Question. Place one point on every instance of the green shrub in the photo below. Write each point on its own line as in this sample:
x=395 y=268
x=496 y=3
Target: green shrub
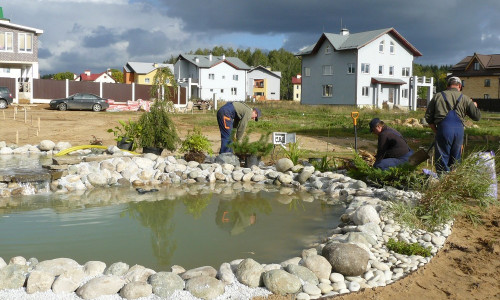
x=261 y=147
x=293 y=152
x=196 y=142
x=157 y=128
x=407 y=248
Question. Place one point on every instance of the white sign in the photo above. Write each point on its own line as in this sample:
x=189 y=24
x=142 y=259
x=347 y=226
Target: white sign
x=282 y=138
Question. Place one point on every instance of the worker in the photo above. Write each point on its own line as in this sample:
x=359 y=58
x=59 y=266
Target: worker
x=234 y=115
x=392 y=149
x=445 y=115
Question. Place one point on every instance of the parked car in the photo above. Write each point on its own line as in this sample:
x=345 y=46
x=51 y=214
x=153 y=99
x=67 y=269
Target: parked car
x=80 y=101
x=5 y=97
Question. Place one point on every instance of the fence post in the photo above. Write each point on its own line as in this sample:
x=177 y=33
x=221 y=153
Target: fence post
x=133 y=91
x=67 y=88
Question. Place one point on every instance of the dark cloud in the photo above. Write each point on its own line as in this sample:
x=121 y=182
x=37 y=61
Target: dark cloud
x=100 y=37
x=44 y=53
x=144 y=43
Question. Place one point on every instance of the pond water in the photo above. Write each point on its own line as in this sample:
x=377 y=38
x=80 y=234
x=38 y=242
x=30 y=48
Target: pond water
x=191 y=226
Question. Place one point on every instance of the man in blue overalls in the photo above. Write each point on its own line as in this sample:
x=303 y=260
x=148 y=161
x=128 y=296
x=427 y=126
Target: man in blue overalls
x=234 y=115
x=445 y=114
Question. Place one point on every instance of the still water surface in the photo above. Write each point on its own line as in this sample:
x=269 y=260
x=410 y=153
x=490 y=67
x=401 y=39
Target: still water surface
x=157 y=230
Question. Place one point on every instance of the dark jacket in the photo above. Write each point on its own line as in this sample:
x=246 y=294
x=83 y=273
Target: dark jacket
x=438 y=109
x=391 y=144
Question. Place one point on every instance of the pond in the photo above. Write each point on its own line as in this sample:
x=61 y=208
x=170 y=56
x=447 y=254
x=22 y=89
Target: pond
x=191 y=226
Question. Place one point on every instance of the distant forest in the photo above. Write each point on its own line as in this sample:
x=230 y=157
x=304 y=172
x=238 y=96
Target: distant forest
x=289 y=65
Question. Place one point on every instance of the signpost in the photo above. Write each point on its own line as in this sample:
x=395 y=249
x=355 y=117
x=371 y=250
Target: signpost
x=283 y=138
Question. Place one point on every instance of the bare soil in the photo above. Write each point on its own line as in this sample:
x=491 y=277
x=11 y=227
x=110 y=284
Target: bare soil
x=468 y=267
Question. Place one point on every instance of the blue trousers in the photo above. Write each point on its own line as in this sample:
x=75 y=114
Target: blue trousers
x=449 y=140
x=387 y=163
x=225 y=119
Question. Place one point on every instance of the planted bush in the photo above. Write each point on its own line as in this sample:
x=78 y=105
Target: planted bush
x=244 y=147
x=407 y=248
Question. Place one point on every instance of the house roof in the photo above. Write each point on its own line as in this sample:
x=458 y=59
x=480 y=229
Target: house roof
x=264 y=69
x=488 y=61
x=144 y=67
x=7 y=23
x=296 y=80
x=203 y=61
x=92 y=77
x=394 y=81
x=357 y=41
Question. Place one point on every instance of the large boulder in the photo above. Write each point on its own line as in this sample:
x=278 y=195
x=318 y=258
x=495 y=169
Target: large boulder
x=166 y=283
x=303 y=273
x=249 y=272
x=228 y=158
x=201 y=271
x=284 y=164
x=57 y=266
x=68 y=281
x=136 y=289
x=13 y=277
x=318 y=265
x=39 y=281
x=347 y=259
x=365 y=214
x=205 y=287
x=100 y=286
x=281 y=282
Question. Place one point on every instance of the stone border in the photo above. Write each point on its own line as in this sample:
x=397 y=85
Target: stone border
x=352 y=257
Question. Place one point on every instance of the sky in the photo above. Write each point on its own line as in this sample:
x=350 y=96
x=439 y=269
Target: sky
x=94 y=35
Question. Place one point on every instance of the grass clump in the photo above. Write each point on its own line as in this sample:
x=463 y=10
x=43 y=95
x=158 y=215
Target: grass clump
x=407 y=248
x=457 y=193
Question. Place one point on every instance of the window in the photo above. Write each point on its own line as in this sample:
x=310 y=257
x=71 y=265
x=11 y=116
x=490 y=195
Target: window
x=391 y=47
x=211 y=90
x=234 y=91
x=328 y=49
x=351 y=69
x=307 y=71
x=486 y=96
x=381 y=46
x=223 y=76
x=297 y=87
x=486 y=82
x=405 y=93
x=222 y=91
x=380 y=70
x=476 y=66
x=365 y=68
x=235 y=77
x=25 y=42
x=327 y=90
x=405 y=71
x=327 y=70
x=6 y=41
x=146 y=80
x=365 y=90
x=391 y=70
x=211 y=76
x=463 y=83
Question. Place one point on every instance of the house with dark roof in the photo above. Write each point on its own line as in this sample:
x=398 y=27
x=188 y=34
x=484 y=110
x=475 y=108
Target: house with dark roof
x=480 y=75
x=99 y=77
x=209 y=76
x=142 y=72
x=19 y=56
x=263 y=84
x=297 y=86
x=362 y=69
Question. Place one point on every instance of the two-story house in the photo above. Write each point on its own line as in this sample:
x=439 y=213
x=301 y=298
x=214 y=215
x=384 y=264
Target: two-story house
x=19 y=56
x=99 y=77
x=142 y=72
x=362 y=69
x=480 y=75
x=263 y=84
x=208 y=76
x=297 y=87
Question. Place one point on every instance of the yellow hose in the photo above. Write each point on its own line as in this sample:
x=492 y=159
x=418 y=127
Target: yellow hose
x=81 y=147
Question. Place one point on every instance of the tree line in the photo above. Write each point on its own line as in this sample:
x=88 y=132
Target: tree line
x=278 y=60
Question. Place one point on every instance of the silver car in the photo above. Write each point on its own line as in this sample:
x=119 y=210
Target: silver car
x=80 y=101
x=5 y=97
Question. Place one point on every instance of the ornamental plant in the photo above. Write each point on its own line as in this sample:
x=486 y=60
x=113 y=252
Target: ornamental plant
x=127 y=132
x=196 y=142
x=157 y=128
x=244 y=147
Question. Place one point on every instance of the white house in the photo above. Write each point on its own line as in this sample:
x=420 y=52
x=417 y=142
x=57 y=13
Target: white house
x=362 y=69
x=263 y=84
x=208 y=76
x=19 y=55
x=99 y=77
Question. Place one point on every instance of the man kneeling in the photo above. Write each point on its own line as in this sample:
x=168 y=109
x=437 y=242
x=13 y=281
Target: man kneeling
x=392 y=149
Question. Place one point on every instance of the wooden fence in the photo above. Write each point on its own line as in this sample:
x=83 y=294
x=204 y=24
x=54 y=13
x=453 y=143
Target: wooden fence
x=491 y=105
x=45 y=90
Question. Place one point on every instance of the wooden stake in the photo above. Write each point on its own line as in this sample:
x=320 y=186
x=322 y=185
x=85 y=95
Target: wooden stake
x=37 y=132
x=39 y=124
x=3 y=112
x=25 y=115
x=15 y=112
x=17 y=137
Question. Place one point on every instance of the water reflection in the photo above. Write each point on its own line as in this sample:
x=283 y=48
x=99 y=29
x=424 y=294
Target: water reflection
x=191 y=225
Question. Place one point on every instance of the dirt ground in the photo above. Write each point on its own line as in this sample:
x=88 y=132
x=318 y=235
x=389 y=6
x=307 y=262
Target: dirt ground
x=468 y=267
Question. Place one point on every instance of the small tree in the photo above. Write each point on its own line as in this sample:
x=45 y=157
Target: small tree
x=163 y=84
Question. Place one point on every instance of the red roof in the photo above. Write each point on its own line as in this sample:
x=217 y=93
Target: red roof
x=91 y=77
x=296 y=80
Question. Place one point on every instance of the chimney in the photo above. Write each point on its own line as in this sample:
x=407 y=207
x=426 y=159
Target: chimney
x=210 y=57
x=344 y=31
x=196 y=60
x=108 y=71
x=87 y=72
x=223 y=56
